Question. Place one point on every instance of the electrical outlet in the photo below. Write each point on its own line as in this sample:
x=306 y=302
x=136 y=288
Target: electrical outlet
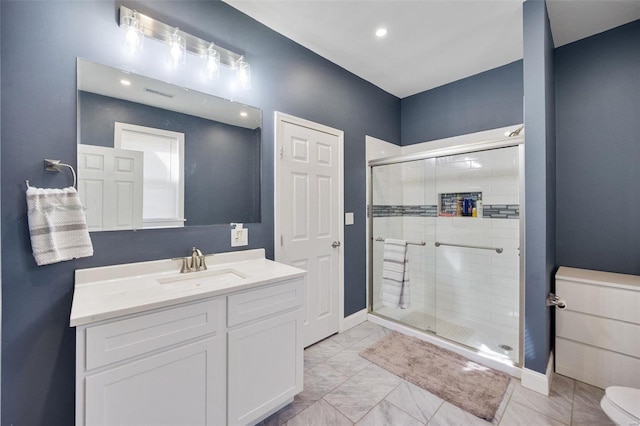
x=239 y=237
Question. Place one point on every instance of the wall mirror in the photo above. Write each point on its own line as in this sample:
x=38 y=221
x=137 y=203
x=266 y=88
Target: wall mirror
x=153 y=155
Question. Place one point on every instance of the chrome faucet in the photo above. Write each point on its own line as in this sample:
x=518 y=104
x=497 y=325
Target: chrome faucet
x=197 y=260
x=193 y=263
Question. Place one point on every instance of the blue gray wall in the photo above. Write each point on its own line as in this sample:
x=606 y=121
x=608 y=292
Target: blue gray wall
x=39 y=121
x=539 y=119
x=220 y=159
x=0 y=216
x=598 y=151
x=485 y=101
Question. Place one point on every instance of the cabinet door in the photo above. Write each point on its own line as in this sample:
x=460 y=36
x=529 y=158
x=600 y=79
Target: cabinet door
x=182 y=386
x=265 y=366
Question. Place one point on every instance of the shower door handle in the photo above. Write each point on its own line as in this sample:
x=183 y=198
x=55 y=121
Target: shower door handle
x=497 y=249
x=335 y=244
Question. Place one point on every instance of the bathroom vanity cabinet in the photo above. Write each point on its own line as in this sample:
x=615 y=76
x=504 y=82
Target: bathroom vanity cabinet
x=232 y=356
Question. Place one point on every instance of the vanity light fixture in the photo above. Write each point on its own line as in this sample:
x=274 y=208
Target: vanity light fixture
x=243 y=114
x=202 y=48
x=125 y=82
x=133 y=34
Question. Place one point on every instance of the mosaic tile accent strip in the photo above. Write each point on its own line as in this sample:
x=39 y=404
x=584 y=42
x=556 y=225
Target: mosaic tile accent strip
x=501 y=211
x=449 y=201
x=395 y=210
x=491 y=211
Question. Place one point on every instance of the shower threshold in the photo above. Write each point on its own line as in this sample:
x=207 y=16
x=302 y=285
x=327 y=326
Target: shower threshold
x=489 y=358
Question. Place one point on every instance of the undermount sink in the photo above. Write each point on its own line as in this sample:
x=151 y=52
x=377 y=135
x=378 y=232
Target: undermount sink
x=205 y=277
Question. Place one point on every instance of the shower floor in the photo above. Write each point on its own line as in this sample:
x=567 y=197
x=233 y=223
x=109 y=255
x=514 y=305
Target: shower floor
x=485 y=338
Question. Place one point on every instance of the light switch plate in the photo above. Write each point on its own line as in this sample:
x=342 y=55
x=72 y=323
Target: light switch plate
x=348 y=218
x=239 y=237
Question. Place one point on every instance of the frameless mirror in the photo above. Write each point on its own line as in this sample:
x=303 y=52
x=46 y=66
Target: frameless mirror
x=155 y=155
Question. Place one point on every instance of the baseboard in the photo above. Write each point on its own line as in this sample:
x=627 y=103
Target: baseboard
x=538 y=382
x=353 y=320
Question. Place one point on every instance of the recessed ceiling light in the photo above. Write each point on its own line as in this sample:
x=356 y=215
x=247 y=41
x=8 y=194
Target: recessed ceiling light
x=381 y=32
x=243 y=114
x=125 y=82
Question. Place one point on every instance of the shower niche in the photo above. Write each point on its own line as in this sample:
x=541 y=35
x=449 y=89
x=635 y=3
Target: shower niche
x=466 y=204
x=465 y=278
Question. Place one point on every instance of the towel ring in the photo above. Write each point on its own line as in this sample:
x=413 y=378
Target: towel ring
x=54 y=166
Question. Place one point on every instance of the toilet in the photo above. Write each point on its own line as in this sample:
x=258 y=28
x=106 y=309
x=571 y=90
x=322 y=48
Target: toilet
x=622 y=405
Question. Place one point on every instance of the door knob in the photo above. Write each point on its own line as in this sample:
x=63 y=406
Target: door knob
x=335 y=244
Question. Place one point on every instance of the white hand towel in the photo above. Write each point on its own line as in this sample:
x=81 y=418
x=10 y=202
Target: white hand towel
x=57 y=225
x=395 y=291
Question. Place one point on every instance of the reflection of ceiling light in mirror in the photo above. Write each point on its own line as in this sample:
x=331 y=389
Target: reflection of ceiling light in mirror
x=133 y=34
x=243 y=74
x=177 y=49
x=125 y=82
x=381 y=32
x=243 y=114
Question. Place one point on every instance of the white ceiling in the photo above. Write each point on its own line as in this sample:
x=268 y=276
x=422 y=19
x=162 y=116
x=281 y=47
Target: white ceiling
x=430 y=42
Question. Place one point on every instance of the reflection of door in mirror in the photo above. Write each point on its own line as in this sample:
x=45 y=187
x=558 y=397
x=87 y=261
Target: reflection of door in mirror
x=110 y=187
x=163 y=172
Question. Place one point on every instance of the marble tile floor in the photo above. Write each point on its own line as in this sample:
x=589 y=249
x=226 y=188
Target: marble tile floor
x=342 y=388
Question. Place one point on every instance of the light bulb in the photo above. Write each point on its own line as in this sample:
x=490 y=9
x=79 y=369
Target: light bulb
x=133 y=34
x=177 y=49
x=243 y=74
x=213 y=62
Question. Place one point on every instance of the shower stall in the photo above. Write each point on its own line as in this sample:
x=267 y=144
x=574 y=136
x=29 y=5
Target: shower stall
x=459 y=211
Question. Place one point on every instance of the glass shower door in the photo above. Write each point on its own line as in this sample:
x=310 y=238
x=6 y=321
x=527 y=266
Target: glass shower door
x=404 y=208
x=477 y=264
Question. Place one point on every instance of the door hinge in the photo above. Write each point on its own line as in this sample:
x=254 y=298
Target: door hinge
x=281 y=153
x=368 y=211
x=281 y=240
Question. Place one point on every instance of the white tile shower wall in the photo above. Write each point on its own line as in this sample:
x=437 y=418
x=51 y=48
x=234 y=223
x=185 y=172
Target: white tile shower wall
x=413 y=183
x=478 y=286
x=494 y=173
x=418 y=182
x=387 y=184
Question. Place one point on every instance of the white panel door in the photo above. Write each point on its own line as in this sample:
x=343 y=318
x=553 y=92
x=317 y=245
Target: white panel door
x=309 y=215
x=110 y=187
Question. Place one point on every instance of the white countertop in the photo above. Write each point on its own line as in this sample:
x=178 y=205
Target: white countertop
x=112 y=291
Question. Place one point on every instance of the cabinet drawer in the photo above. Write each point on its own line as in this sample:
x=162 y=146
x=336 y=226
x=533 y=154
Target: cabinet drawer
x=119 y=340
x=601 y=300
x=605 y=333
x=596 y=366
x=264 y=301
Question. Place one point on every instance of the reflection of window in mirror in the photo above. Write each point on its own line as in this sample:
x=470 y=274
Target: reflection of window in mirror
x=163 y=172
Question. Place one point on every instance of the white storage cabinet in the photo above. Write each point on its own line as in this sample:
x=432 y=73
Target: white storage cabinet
x=232 y=359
